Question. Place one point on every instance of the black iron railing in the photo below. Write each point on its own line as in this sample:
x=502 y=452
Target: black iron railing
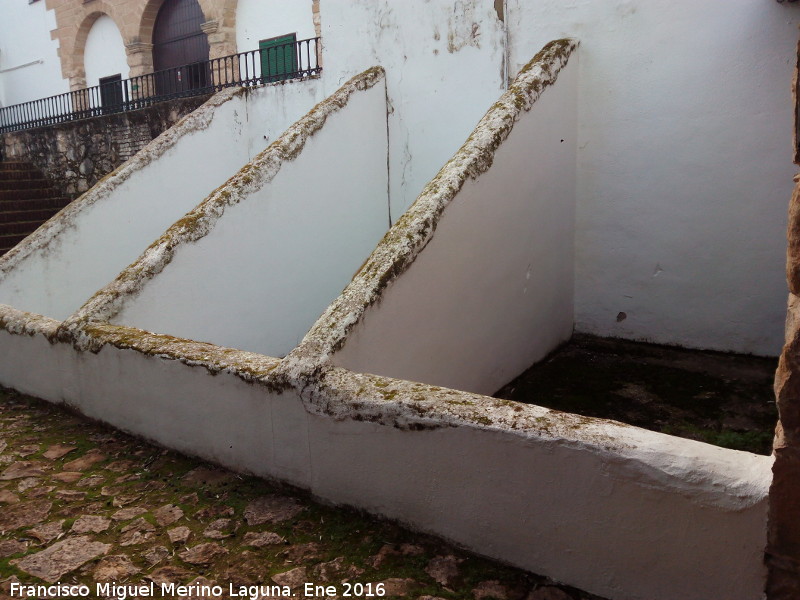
x=280 y=62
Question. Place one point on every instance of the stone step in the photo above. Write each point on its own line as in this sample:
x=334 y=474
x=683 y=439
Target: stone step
x=25 y=184
x=33 y=204
x=15 y=166
x=27 y=199
x=40 y=215
x=23 y=227
x=20 y=174
x=9 y=241
x=47 y=192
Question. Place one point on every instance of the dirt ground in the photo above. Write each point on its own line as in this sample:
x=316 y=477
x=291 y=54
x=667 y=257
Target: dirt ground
x=81 y=503
x=718 y=398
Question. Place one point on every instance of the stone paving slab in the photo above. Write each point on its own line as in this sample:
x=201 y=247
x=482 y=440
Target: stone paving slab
x=81 y=503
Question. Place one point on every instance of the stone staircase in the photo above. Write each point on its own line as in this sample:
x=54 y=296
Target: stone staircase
x=27 y=200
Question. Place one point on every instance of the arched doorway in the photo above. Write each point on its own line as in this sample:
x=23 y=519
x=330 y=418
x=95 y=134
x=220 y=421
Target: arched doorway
x=179 y=44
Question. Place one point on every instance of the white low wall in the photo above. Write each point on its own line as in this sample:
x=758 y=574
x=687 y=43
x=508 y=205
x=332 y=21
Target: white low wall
x=56 y=269
x=287 y=243
x=490 y=290
x=618 y=511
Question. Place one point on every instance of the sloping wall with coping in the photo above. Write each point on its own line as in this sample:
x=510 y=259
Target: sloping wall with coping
x=54 y=271
x=668 y=192
x=491 y=287
x=298 y=221
x=619 y=511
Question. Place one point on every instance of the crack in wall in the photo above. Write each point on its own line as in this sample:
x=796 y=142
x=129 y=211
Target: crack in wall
x=414 y=229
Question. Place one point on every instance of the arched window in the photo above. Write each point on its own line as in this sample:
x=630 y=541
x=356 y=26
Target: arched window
x=178 y=46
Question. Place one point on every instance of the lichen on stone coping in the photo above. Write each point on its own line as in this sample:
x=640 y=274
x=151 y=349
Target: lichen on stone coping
x=196 y=224
x=248 y=366
x=197 y=120
x=411 y=233
x=343 y=394
x=20 y=322
x=702 y=473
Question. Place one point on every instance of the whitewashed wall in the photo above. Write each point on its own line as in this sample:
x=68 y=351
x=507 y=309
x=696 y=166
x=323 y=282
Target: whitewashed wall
x=443 y=64
x=263 y=19
x=58 y=268
x=636 y=508
x=29 y=65
x=104 y=53
x=684 y=164
x=278 y=257
x=684 y=159
x=493 y=290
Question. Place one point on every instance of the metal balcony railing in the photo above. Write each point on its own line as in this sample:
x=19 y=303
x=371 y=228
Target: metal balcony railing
x=293 y=60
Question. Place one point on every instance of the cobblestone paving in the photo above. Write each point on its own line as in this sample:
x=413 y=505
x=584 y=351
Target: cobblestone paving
x=81 y=503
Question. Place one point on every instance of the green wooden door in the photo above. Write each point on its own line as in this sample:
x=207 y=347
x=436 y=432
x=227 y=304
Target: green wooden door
x=278 y=57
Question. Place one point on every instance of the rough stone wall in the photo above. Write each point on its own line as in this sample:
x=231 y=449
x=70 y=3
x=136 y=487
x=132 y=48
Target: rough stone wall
x=77 y=155
x=783 y=551
x=783 y=546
